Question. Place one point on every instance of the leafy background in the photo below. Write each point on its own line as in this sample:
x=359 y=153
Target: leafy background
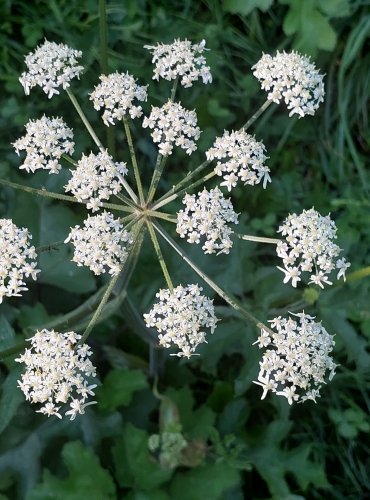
x=191 y=430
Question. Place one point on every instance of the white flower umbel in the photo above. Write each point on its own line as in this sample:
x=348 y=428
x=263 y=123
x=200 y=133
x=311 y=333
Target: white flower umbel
x=180 y=59
x=100 y=244
x=181 y=318
x=297 y=358
x=57 y=373
x=50 y=66
x=46 y=140
x=95 y=179
x=172 y=124
x=293 y=78
x=243 y=157
x=116 y=95
x=17 y=261
x=308 y=246
x=207 y=214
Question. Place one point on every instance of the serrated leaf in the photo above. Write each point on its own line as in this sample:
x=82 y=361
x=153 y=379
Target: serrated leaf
x=118 y=388
x=134 y=465
x=244 y=7
x=86 y=478
x=11 y=397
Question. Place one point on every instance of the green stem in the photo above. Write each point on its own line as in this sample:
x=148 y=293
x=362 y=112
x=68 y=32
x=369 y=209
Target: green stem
x=98 y=143
x=63 y=197
x=227 y=298
x=173 y=90
x=48 y=248
x=258 y=239
x=158 y=169
x=69 y=159
x=256 y=115
x=13 y=350
x=165 y=201
x=359 y=274
x=159 y=254
x=133 y=160
x=162 y=215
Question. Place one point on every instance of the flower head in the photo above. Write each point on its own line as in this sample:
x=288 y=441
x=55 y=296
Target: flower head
x=308 y=246
x=180 y=59
x=100 y=244
x=243 y=157
x=173 y=124
x=56 y=372
x=18 y=259
x=181 y=318
x=44 y=143
x=95 y=179
x=292 y=77
x=116 y=95
x=207 y=214
x=298 y=358
x=50 y=66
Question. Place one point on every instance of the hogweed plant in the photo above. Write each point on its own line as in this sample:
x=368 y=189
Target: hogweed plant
x=297 y=350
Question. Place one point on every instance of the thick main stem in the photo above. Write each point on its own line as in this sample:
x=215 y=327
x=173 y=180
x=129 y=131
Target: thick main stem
x=227 y=298
x=133 y=160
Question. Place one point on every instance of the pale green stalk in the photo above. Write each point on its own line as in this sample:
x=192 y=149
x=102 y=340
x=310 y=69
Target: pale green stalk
x=256 y=115
x=69 y=159
x=162 y=215
x=98 y=143
x=258 y=239
x=133 y=160
x=158 y=169
x=159 y=254
x=227 y=297
x=63 y=197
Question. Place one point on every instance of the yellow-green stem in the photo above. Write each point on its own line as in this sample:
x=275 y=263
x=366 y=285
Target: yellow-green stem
x=133 y=160
x=159 y=254
x=256 y=115
x=258 y=239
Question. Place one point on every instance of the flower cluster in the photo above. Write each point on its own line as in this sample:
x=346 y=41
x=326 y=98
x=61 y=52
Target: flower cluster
x=50 y=66
x=46 y=140
x=18 y=259
x=173 y=124
x=244 y=157
x=180 y=59
x=297 y=360
x=308 y=246
x=95 y=179
x=292 y=77
x=56 y=373
x=115 y=95
x=102 y=243
x=207 y=214
x=182 y=315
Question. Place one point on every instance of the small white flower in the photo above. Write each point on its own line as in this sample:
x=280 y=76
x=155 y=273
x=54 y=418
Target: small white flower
x=18 y=259
x=50 y=66
x=180 y=59
x=101 y=244
x=95 y=179
x=116 y=95
x=173 y=125
x=181 y=318
x=45 y=142
x=243 y=157
x=293 y=78
x=207 y=214
x=298 y=357
x=308 y=246
x=56 y=372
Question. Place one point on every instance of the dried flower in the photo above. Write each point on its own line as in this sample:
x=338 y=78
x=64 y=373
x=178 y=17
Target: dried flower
x=207 y=214
x=50 y=66
x=244 y=157
x=180 y=59
x=45 y=142
x=182 y=316
x=308 y=246
x=95 y=179
x=18 y=259
x=292 y=77
x=115 y=95
x=296 y=363
x=102 y=243
x=56 y=373
x=173 y=124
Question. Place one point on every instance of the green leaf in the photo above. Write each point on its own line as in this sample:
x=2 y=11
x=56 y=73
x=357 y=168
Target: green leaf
x=11 y=398
x=207 y=481
x=86 y=478
x=244 y=7
x=33 y=316
x=118 y=388
x=7 y=335
x=134 y=465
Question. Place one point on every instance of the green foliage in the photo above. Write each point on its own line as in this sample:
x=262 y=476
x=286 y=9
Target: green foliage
x=119 y=387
